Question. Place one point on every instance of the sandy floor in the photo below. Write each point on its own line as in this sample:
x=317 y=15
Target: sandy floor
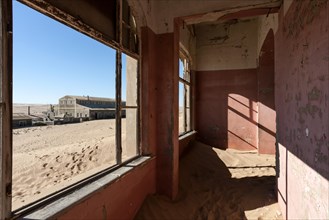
x=48 y=158
x=217 y=184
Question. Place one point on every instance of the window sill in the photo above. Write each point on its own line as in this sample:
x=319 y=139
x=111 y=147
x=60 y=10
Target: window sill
x=187 y=134
x=66 y=201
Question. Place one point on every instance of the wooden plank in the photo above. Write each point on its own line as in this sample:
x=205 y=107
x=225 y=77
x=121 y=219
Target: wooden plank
x=6 y=108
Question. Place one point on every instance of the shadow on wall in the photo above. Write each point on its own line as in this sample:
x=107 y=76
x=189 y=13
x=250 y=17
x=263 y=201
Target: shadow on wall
x=301 y=97
x=235 y=108
x=227 y=110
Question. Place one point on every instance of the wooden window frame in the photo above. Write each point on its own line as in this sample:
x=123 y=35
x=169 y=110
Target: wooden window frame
x=6 y=101
x=186 y=68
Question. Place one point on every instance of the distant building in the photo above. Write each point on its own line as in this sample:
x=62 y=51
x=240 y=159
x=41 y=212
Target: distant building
x=86 y=107
x=21 y=120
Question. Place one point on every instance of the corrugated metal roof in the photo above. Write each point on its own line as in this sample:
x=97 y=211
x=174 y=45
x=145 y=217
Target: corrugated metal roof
x=91 y=98
x=21 y=116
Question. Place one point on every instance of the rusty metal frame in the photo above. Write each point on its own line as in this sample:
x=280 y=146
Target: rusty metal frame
x=5 y=108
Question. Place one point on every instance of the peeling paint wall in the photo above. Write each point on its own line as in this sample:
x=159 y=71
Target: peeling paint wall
x=302 y=101
x=167 y=10
x=227 y=46
x=187 y=40
x=226 y=84
x=265 y=24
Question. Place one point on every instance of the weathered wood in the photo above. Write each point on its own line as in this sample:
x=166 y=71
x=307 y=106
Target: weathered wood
x=118 y=129
x=6 y=108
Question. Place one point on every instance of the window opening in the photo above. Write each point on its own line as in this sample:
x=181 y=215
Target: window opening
x=184 y=92
x=63 y=148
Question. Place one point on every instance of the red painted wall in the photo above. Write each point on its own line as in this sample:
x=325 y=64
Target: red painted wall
x=226 y=108
x=185 y=142
x=148 y=92
x=302 y=103
x=160 y=106
x=119 y=200
x=266 y=108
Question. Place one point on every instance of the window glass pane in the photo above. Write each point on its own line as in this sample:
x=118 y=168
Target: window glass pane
x=188 y=119
x=181 y=109
x=53 y=67
x=187 y=76
x=129 y=80
x=181 y=69
x=188 y=110
x=188 y=93
x=129 y=134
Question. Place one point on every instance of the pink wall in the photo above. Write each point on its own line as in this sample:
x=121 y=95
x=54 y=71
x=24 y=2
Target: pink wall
x=226 y=108
x=160 y=106
x=121 y=199
x=185 y=142
x=266 y=108
x=302 y=103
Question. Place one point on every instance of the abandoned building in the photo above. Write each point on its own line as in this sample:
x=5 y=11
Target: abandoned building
x=21 y=120
x=86 y=107
x=259 y=82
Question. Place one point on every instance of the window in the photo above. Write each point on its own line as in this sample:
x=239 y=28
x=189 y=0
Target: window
x=184 y=92
x=51 y=164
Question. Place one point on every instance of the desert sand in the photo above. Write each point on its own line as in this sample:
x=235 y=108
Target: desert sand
x=48 y=158
x=219 y=184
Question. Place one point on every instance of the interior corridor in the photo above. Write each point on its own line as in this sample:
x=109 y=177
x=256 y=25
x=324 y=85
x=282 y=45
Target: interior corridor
x=219 y=184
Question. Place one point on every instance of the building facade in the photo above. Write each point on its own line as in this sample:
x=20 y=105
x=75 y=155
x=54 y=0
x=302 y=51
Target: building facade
x=21 y=120
x=86 y=107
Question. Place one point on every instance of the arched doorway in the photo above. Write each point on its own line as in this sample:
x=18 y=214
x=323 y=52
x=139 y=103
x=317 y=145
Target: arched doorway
x=266 y=105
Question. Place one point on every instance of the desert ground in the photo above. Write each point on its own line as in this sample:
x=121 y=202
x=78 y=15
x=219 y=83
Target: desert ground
x=48 y=158
x=219 y=184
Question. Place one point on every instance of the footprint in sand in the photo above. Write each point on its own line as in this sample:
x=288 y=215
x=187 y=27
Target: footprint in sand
x=79 y=166
x=44 y=165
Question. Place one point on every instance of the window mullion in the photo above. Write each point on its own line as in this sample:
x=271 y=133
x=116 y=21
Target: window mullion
x=118 y=108
x=6 y=109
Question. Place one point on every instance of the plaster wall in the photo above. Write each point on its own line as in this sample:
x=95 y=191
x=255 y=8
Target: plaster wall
x=121 y=199
x=160 y=106
x=227 y=46
x=226 y=84
x=187 y=41
x=266 y=106
x=301 y=97
x=265 y=24
x=226 y=110
x=200 y=11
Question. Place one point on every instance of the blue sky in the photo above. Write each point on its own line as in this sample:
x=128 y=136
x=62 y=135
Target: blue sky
x=51 y=60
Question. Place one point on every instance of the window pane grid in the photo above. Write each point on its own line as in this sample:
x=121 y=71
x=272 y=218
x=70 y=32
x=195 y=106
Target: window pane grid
x=184 y=97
